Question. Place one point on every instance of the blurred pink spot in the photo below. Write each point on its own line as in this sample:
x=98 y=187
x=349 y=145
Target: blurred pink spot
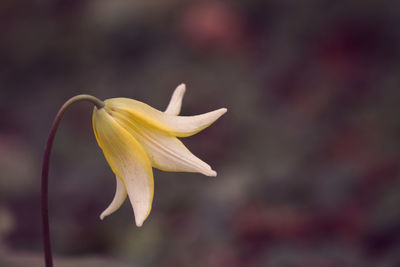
x=210 y=25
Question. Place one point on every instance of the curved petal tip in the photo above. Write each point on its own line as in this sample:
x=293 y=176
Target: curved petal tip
x=119 y=198
x=141 y=211
x=181 y=87
x=102 y=215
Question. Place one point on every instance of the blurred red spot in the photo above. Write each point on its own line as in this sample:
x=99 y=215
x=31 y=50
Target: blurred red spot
x=210 y=25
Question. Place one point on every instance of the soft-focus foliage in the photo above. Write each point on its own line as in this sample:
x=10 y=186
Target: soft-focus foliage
x=307 y=160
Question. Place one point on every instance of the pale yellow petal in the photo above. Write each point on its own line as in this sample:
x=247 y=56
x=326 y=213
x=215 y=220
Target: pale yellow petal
x=128 y=161
x=175 y=104
x=119 y=198
x=165 y=152
x=180 y=126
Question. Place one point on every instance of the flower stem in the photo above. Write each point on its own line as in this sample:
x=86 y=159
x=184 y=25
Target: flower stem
x=45 y=171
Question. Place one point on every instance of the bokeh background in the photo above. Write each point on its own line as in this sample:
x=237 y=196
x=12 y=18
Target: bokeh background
x=307 y=155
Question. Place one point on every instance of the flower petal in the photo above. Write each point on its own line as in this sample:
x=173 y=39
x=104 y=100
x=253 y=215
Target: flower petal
x=165 y=152
x=175 y=104
x=180 y=126
x=119 y=198
x=128 y=161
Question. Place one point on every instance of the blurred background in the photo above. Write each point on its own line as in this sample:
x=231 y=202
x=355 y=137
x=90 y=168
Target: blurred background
x=307 y=155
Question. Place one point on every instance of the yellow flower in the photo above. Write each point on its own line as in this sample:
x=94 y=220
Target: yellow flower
x=135 y=137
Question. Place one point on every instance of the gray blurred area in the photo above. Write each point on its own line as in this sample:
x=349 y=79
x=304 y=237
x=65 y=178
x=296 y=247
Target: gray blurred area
x=307 y=155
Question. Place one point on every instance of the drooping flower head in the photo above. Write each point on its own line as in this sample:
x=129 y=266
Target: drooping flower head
x=135 y=137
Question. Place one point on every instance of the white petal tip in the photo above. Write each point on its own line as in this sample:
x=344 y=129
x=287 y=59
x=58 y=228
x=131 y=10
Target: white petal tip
x=104 y=214
x=210 y=173
x=141 y=211
x=175 y=104
x=180 y=91
x=181 y=87
x=223 y=110
x=139 y=223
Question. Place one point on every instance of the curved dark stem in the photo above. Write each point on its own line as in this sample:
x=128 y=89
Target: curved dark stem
x=45 y=171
